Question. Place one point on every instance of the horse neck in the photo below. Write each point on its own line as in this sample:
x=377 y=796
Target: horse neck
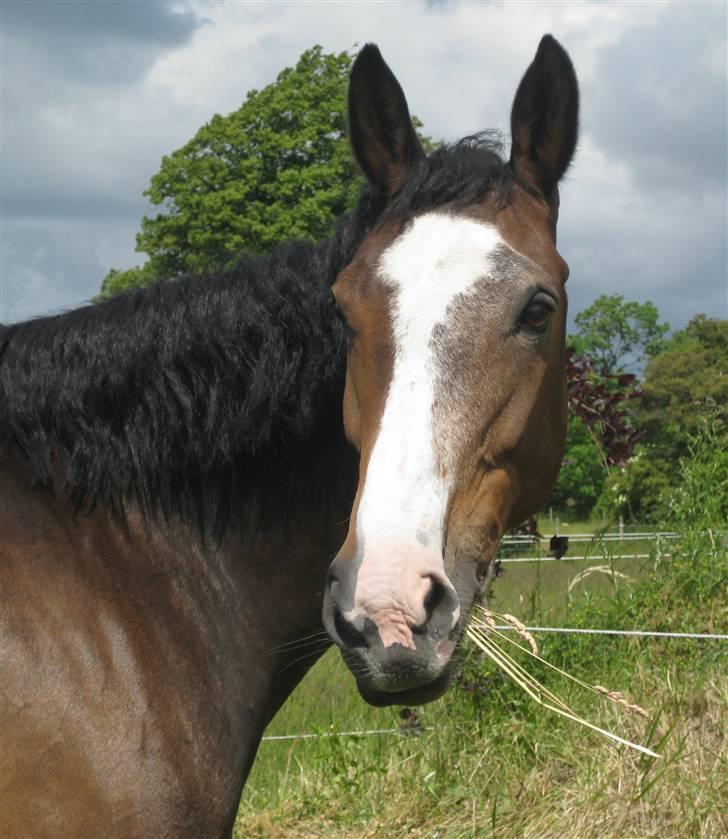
x=267 y=628
x=290 y=530
x=195 y=638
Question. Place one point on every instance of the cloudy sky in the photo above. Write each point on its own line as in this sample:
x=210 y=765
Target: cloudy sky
x=95 y=93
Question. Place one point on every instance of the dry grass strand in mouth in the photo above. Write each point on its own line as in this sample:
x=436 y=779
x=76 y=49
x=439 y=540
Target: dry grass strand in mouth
x=482 y=630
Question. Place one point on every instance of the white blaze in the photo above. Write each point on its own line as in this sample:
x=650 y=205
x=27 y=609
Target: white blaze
x=405 y=497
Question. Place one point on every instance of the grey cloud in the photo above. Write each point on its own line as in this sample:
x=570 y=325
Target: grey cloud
x=679 y=289
x=94 y=42
x=659 y=98
x=653 y=225
x=46 y=203
x=62 y=164
x=153 y=21
x=50 y=267
x=671 y=253
x=63 y=65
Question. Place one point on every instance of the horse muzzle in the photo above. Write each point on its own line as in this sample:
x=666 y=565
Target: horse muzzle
x=396 y=630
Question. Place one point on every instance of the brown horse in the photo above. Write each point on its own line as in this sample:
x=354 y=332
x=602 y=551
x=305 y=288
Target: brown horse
x=176 y=473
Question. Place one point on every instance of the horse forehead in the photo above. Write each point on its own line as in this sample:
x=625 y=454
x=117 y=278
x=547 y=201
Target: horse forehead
x=439 y=257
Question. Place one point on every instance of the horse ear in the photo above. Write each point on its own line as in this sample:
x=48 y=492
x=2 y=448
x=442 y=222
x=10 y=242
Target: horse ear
x=382 y=136
x=545 y=118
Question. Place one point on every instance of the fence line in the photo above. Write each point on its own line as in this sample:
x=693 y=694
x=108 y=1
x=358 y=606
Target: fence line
x=594 y=557
x=590 y=537
x=644 y=534
x=636 y=633
x=401 y=731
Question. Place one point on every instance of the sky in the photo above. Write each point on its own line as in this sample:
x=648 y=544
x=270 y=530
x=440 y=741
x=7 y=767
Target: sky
x=94 y=94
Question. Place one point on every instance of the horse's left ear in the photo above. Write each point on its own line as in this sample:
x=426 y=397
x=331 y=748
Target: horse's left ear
x=382 y=136
x=545 y=118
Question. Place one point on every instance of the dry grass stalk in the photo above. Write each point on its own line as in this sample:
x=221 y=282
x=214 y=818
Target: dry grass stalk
x=521 y=630
x=620 y=699
x=481 y=632
x=596 y=569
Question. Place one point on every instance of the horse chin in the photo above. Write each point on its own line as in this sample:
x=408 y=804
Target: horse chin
x=418 y=695
x=396 y=676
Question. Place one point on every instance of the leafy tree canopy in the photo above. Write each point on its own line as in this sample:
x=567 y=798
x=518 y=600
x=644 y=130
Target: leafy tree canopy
x=691 y=372
x=582 y=473
x=616 y=334
x=601 y=433
x=601 y=400
x=638 y=490
x=683 y=384
x=705 y=335
x=278 y=168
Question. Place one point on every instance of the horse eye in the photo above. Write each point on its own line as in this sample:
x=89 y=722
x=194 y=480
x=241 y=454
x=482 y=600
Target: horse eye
x=537 y=314
x=348 y=331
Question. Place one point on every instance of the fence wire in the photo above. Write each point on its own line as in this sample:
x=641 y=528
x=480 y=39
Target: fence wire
x=404 y=732
x=636 y=633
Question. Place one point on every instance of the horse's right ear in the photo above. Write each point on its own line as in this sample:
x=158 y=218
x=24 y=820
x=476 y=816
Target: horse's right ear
x=382 y=136
x=545 y=118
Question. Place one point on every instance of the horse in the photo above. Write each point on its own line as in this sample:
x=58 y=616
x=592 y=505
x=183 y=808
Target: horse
x=197 y=476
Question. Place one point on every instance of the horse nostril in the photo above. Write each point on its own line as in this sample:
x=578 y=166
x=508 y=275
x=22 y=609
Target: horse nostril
x=440 y=606
x=347 y=632
x=435 y=597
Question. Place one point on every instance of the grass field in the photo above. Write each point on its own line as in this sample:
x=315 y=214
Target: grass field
x=491 y=763
x=542 y=592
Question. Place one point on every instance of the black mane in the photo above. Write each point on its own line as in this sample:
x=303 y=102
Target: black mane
x=166 y=396
x=455 y=176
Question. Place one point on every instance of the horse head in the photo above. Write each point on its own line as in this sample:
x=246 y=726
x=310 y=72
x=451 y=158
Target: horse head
x=455 y=396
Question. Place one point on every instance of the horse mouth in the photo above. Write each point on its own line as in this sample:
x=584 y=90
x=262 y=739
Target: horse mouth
x=419 y=695
x=404 y=677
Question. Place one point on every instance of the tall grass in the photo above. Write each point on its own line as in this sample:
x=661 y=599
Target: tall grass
x=494 y=763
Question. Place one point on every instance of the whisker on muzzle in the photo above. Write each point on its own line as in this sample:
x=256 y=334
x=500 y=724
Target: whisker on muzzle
x=315 y=637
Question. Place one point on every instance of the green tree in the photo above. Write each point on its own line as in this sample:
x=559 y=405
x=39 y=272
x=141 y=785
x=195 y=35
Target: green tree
x=601 y=434
x=690 y=373
x=583 y=472
x=116 y=280
x=616 y=334
x=280 y=167
x=701 y=497
x=638 y=489
x=681 y=384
